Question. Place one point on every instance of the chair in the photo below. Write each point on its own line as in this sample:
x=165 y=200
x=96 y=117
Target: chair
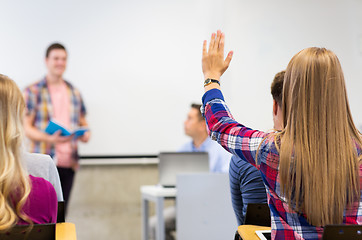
x=258 y=214
x=38 y=232
x=337 y=232
x=237 y=236
x=203 y=206
x=66 y=231
x=248 y=232
x=61 y=214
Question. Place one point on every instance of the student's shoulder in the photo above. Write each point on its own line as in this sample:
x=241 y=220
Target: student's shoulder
x=271 y=140
x=38 y=181
x=41 y=186
x=45 y=194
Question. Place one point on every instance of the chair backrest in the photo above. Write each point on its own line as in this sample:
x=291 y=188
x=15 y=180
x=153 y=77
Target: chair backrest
x=258 y=214
x=337 y=232
x=203 y=205
x=237 y=236
x=38 y=232
x=61 y=214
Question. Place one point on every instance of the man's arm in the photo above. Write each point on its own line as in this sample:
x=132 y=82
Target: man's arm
x=36 y=135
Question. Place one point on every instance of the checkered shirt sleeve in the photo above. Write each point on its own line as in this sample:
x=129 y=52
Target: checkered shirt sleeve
x=233 y=136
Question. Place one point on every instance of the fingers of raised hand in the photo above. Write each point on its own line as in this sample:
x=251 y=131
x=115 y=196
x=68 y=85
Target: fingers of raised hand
x=204 y=46
x=218 y=38
x=216 y=42
x=228 y=59
x=222 y=42
x=213 y=57
x=212 y=42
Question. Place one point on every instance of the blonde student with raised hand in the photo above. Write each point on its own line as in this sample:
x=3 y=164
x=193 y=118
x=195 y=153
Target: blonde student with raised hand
x=311 y=168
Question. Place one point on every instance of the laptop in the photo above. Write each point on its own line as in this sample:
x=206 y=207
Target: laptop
x=340 y=232
x=173 y=163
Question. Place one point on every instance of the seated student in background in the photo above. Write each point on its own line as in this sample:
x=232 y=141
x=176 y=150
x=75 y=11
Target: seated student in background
x=24 y=199
x=195 y=127
x=246 y=184
x=219 y=160
x=311 y=169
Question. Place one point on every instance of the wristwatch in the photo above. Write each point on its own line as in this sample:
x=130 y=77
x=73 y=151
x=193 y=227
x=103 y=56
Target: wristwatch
x=209 y=81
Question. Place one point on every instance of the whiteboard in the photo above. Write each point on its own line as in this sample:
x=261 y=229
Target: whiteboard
x=138 y=63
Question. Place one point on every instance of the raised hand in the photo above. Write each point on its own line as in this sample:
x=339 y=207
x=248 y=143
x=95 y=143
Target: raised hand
x=213 y=62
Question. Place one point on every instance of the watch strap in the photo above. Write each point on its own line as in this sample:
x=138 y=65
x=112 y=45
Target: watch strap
x=209 y=81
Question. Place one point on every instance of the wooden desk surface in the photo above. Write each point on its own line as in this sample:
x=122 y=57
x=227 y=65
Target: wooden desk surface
x=65 y=231
x=247 y=232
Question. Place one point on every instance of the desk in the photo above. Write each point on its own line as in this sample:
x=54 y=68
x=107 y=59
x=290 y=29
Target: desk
x=247 y=232
x=156 y=194
x=65 y=231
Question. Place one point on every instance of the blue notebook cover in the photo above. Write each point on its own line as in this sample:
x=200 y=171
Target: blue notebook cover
x=53 y=127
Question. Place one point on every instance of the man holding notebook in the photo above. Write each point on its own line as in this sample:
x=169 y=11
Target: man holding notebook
x=53 y=98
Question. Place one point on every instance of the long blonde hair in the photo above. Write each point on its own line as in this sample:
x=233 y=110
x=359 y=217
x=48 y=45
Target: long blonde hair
x=14 y=181
x=319 y=165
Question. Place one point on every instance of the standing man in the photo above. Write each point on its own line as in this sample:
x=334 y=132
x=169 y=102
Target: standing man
x=53 y=98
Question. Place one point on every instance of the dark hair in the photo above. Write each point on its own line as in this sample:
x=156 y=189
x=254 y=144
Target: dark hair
x=277 y=87
x=198 y=106
x=54 y=46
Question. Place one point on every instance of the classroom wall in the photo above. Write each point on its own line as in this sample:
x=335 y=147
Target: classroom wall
x=266 y=34
x=138 y=63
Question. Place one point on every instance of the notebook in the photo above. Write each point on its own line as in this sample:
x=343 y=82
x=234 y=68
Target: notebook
x=54 y=127
x=173 y=163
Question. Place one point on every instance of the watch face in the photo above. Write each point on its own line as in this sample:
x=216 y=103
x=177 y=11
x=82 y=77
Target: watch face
x=207 y=82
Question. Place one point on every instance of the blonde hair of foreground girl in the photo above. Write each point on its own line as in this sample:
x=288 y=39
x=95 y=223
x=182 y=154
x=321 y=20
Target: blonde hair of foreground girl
x=14 y=181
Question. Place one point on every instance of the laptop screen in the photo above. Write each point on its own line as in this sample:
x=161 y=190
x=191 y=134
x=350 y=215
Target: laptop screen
x=173 y=163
